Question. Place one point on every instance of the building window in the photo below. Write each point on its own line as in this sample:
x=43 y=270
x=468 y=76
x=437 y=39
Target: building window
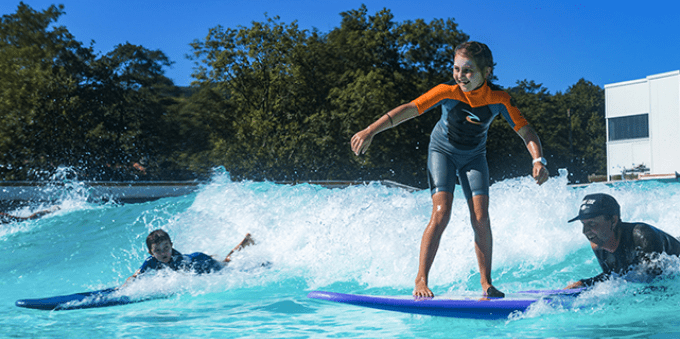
x=630 y=127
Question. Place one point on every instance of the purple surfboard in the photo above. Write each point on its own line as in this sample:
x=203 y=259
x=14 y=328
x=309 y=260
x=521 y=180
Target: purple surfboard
x=476 y=307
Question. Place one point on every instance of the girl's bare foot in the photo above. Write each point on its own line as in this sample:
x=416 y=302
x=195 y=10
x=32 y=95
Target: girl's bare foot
x=422 y=291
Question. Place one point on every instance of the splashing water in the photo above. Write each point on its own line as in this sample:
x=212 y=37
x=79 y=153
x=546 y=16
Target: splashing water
x=361 y=239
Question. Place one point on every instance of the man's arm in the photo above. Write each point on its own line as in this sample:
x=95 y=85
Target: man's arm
x=606 y=271
x=590 y=281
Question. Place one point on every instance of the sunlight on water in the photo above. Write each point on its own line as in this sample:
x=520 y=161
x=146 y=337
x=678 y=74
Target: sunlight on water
x=361 y=239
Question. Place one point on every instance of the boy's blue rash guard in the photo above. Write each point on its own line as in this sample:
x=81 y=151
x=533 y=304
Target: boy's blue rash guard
x=197 y=262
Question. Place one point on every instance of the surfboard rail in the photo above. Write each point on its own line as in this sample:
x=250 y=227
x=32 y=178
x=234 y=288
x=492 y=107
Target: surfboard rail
x=476 y=307
x=100 y=298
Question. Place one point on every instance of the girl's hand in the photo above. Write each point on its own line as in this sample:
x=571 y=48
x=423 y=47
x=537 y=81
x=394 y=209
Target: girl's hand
x=540 y=173
x=361 y=141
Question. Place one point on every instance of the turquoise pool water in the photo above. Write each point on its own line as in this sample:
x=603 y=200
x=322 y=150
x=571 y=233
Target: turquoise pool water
x=362 y=239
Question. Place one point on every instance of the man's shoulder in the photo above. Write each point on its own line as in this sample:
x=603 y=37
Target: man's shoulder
x=651 y=239
x=640 y=229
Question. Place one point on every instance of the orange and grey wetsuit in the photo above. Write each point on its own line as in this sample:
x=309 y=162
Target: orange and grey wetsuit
x=458 y=141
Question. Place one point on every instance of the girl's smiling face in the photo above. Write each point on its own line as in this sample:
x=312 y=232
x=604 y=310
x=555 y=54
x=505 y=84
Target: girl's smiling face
x=466 y=73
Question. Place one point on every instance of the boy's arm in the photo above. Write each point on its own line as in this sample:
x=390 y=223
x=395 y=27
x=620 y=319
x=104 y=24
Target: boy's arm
x=247 y=241
x=131 y=278
x=144 y=268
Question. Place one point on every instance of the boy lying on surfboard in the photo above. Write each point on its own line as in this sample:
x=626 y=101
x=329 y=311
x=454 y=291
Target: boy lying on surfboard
x=163 y=255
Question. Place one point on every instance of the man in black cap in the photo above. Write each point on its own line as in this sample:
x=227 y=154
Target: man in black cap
x=619 y=246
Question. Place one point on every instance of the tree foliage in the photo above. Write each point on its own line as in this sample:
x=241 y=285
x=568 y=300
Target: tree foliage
x=270 y=101
x=295 y=97
x=40 y=71
x=579 y=112
x=61 y=105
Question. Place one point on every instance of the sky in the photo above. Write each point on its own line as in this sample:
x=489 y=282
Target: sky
x=553 y=43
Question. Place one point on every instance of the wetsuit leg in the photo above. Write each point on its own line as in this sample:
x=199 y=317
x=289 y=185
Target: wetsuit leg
x=474 y=177
x=441 y=172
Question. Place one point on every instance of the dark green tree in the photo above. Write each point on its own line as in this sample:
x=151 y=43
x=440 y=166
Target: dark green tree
x=585 y=102
x=268 y=80
x=270 y=101
x=384 y=64
x=128 y=95
x=41 y=67
x=294 y=97
x=506 y=152
x=60 y=105
x=550 y=115
x=196 y=129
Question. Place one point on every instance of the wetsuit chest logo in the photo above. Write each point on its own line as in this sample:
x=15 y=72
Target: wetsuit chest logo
x=471 y=117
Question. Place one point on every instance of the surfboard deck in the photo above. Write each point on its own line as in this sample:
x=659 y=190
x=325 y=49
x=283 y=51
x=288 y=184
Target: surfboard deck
x=91 y=299
x=468 y=306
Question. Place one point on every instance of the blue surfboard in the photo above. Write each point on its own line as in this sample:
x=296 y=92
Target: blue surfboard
x=91 y=299
x=477 y=307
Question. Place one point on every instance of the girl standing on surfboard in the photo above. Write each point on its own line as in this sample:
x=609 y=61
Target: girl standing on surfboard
x=458 y=148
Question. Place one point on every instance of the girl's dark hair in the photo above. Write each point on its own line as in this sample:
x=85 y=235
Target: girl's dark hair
x=157 y=237
x=478 y=52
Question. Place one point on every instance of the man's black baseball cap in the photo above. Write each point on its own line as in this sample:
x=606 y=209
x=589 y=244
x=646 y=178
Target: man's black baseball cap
x=597 y=204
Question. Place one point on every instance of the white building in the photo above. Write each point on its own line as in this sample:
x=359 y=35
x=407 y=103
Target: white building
x=643 y=125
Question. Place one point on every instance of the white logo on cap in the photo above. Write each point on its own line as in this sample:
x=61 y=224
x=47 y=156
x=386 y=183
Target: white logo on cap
x=585 y=203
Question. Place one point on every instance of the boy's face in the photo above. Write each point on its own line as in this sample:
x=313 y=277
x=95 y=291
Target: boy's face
x=162 y=251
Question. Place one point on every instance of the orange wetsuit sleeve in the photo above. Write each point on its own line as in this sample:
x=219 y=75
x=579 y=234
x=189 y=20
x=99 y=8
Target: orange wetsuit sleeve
x=435 y=95
x=514 y=116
